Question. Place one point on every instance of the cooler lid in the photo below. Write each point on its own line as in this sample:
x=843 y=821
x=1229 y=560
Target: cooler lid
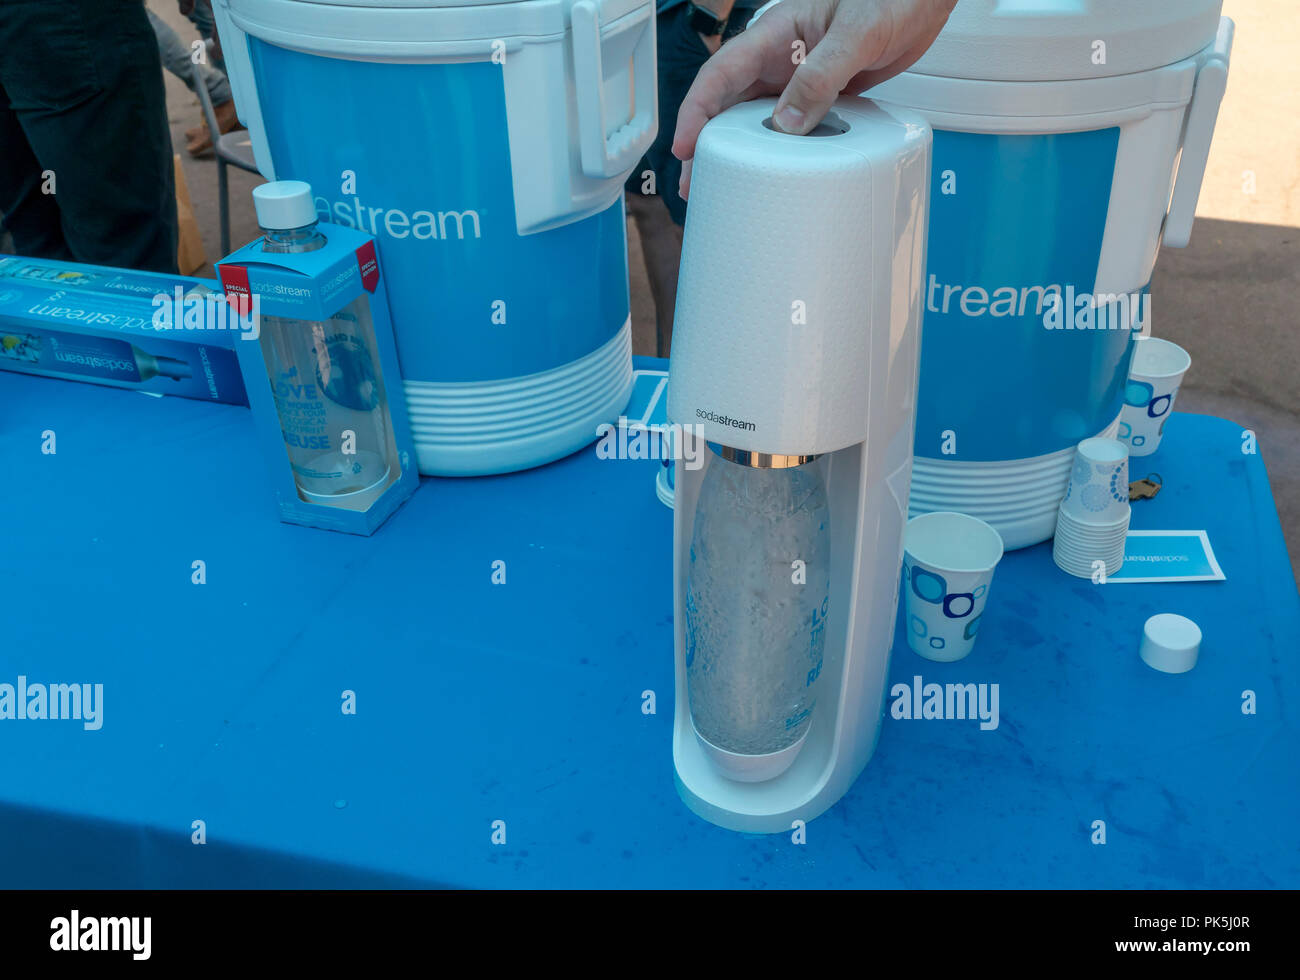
x=1058 y=40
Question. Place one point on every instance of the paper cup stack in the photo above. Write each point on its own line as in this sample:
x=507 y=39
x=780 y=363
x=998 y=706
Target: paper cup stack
x=1092 y=521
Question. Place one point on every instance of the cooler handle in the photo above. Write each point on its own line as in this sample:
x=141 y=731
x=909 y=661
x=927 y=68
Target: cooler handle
x=614 y=154
x=1211 y=80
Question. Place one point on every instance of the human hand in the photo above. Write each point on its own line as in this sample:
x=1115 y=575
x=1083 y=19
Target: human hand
x=808 y=52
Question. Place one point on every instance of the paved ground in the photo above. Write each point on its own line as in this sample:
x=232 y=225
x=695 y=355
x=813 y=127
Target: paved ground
x=1229 y=298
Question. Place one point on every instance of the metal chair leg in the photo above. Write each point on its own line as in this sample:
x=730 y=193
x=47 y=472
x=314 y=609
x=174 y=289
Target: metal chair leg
x=223 y=199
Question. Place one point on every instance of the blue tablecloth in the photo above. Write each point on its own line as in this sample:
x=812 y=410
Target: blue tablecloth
x=522 y=702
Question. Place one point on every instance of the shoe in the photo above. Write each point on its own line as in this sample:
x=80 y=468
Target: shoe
x=200 y=140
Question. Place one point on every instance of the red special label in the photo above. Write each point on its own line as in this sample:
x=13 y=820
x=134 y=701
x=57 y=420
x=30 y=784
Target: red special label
x=369 y=266
x=234 y=278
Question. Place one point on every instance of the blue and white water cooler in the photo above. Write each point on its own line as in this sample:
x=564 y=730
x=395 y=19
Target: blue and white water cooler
x=1059 y=126
x=485 y=146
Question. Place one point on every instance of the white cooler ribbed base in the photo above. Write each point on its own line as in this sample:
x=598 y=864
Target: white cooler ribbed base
x=1019 y=497
x=481 y=427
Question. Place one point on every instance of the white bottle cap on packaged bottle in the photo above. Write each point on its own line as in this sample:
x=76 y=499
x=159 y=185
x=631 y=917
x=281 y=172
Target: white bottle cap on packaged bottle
x=282 y=205
x=1170 y=643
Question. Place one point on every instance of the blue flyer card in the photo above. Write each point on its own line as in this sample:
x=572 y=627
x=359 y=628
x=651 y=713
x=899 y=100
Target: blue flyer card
x=647 y=408
x=1168 y=556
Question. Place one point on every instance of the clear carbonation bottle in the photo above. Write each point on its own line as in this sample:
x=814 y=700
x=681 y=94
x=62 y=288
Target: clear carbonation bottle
x=757 y=596
x=328 y=387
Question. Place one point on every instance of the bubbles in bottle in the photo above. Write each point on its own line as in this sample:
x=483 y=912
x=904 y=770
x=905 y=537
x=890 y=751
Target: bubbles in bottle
x=756 y=604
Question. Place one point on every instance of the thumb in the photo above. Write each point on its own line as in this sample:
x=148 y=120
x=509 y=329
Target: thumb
x=818 y=81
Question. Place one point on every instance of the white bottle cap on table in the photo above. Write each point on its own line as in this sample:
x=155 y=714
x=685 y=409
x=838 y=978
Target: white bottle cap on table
x=1170 y=643
x=282 y=205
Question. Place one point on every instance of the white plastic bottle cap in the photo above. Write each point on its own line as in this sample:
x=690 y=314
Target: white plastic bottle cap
x=1170 y=643
x=284 y=204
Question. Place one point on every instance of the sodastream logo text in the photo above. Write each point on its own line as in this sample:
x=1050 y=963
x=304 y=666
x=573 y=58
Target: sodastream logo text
x=396 y=223
x=1059 y=307
x=82 y=359
x=703 y=413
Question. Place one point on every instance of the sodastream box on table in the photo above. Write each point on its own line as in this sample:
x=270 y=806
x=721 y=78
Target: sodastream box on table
x=322 y=371
x=160 y=334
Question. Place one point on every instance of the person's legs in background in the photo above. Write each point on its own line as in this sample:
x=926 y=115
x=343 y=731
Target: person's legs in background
x=661 y=247
x=656 y=207
x=178 y=58
x=86 y=162
x=29 y=217
x=200 y=14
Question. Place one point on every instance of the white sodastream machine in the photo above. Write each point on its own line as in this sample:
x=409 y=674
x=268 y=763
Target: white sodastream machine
x=795 y=385
x=485 y=146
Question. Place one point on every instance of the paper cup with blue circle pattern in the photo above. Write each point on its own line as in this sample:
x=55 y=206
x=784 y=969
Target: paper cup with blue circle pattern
x=1155 y=374
x=948 y=563
x=1098 y=489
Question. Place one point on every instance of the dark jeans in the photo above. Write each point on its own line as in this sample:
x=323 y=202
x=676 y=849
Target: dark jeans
x=681 y=55
x=83 y=114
